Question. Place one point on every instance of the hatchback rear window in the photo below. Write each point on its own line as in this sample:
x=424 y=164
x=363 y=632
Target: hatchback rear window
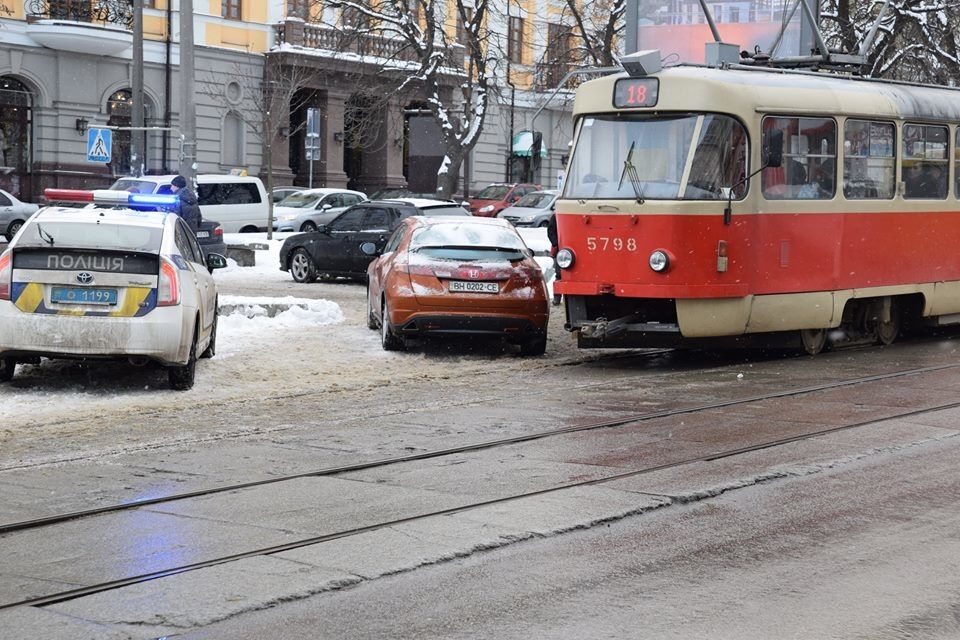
x=54 y=233
x=444 y=211
x=468 y=241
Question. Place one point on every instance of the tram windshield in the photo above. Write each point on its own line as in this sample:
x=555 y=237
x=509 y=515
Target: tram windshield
x=661 y=157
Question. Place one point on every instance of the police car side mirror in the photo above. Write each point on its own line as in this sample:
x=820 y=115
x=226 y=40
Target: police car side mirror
x=215 y=261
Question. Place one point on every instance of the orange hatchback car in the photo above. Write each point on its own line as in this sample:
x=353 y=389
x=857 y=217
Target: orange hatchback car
x=463 y=276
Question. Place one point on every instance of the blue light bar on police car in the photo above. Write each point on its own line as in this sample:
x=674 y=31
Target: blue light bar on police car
x=161 y=199
x=107 y=196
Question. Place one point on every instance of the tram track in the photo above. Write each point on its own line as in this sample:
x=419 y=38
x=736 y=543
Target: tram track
x=72 y=594
x=468 y=448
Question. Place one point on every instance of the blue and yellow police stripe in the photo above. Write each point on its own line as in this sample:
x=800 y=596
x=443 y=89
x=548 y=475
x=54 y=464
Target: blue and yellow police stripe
x=138 y=301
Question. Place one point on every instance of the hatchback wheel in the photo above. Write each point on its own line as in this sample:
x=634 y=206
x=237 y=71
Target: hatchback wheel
x=371 y=319
x=535 y=345
x=301 y=266
x=545 y=224
x=389 y=340
x=308 y=227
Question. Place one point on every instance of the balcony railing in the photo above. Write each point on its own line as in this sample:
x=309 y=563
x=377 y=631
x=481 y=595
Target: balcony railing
x=314 y=36
x=109 y=12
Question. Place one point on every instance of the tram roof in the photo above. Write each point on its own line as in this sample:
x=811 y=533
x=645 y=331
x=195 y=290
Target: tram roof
x=740 y=90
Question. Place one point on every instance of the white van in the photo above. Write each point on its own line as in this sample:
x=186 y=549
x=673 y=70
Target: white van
x=238 y=203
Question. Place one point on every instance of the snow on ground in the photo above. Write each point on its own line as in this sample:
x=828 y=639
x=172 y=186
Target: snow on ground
x=312 y=341
x=250 y=321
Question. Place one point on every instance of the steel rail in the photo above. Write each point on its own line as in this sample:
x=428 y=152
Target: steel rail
x=80 y=592
x=439 y=453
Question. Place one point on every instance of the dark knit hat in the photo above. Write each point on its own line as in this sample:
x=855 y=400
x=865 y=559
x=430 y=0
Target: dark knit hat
x=180 y=182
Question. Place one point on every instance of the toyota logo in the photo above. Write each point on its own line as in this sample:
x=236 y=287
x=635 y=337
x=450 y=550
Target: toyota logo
x=84 y=278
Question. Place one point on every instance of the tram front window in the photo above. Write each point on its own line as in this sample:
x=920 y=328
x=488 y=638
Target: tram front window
x=679 y=157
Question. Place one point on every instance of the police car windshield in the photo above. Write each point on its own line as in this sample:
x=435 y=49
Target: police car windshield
x=85 y=235
x=128 y=184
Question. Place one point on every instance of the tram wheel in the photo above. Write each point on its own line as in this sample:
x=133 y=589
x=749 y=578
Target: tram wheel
x=887 y=331
x=813 y=340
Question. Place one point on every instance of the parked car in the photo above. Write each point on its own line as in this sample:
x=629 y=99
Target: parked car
x=308 y=209
x=116 y=285
x=279 y=193
x=13 y=213
x=334 y=249
x=452 y=276
x=238 y=202
x=532 y=210
x=496 y=197
x=210 y=238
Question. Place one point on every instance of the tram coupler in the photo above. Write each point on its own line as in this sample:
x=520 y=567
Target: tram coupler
x=602 y=328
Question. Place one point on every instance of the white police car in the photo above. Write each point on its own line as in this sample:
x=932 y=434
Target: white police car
x=108 y=283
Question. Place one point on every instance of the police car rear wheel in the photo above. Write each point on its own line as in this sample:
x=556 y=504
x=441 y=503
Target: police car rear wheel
x=301 y=266
x=7 y=367
x=181 y=377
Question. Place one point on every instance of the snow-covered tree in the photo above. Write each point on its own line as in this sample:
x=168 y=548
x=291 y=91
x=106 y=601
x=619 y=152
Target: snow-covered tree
x=917 y=39
x=423 y=64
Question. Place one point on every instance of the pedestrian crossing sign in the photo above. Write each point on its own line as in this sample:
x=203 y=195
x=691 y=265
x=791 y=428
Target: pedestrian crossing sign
x=99 y=145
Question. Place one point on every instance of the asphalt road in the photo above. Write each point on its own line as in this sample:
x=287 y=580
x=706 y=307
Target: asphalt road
x=848 y=534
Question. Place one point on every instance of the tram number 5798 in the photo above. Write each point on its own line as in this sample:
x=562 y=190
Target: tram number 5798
x=607 y=243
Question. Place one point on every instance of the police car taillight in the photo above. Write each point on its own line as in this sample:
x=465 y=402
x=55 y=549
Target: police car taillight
x=6 y=274
x=106 y=196
x=168 y=293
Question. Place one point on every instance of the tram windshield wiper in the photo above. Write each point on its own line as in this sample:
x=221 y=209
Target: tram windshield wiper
x=630 y=171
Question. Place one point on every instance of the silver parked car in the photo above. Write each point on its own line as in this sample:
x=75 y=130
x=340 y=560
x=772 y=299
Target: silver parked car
x=308 y=209
x=532 y=210
x=13 y=213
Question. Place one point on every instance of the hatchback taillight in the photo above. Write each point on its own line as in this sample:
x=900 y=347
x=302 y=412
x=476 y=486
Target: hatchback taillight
x=168 y=293
x=6 y=274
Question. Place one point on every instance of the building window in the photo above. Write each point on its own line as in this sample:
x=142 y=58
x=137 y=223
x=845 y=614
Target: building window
x=461 y=27
x=233 y=143
x=515 y=40
x=231 y=9
x=298 y=9
x=16 y=104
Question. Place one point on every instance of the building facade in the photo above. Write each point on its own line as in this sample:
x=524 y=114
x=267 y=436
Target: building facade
x=66 y=67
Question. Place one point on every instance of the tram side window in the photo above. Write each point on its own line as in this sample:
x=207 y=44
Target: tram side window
x=809 y=164
x=924 y=172
x=868 y=160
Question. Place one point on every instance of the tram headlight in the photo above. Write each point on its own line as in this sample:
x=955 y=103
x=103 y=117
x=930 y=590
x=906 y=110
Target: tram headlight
x=565 y=258
x=659 y=261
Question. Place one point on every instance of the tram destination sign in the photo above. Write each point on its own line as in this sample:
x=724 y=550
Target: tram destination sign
x=636 y=92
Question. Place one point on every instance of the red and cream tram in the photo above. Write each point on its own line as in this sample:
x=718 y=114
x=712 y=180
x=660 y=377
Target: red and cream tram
x=759 y=206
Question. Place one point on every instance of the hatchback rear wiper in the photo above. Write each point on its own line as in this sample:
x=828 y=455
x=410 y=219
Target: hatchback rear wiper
x=630 y=171
x=46 y=237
